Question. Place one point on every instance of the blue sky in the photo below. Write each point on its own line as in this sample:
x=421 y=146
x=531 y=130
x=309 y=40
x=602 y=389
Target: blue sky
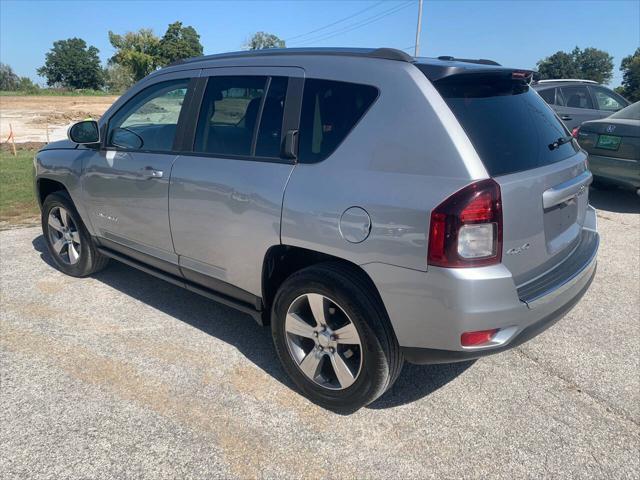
x=514 y=33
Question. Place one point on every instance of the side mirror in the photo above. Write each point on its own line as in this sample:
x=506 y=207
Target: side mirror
x=125 y=138
x=85 y=132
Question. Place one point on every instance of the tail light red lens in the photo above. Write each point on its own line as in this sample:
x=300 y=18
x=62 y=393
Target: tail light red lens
x=473 y=339
x=575 y=132
x=466 y=229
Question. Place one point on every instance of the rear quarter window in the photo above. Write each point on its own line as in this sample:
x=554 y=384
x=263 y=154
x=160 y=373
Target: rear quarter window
x=509 y=124
x=330 y=110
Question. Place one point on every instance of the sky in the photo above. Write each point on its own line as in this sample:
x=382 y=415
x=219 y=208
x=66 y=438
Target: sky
x=513 y=33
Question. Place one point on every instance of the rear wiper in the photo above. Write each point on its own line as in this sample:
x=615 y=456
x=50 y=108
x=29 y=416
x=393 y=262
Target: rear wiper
x=560 y=141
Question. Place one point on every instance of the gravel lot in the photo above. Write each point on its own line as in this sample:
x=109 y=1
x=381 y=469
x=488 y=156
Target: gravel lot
x=125 y=376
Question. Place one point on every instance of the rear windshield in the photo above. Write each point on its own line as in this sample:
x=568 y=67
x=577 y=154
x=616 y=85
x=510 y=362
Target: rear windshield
x=509 y=124
x=632 y=112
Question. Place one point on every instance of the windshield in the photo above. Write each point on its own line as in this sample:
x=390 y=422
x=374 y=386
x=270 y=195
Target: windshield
x=510 y=125
x=632 y=112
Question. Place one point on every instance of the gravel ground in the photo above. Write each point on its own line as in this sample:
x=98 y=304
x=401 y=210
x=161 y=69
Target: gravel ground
x=125 y=376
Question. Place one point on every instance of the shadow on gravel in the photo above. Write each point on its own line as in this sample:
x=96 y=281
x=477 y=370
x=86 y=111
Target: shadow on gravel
x=241 y=331
x=615 y=200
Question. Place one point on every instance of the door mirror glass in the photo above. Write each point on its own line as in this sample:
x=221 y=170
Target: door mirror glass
x=84 y=133
x=126 y=138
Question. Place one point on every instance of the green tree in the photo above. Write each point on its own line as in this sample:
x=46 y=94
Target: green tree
x=630 y=68
x=261 y=40
x=587 y=64
x=136 y=51
x=8 y=79
x=558 y=65
x=117 y=78
x=72 y=64
x=178 y=43
x=25 y=84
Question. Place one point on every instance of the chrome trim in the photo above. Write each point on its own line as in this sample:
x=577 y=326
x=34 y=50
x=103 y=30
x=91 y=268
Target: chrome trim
x=566 y=190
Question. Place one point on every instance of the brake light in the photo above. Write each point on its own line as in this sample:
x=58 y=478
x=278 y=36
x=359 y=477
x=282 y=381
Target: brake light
x=575 y=132
x=466 y=229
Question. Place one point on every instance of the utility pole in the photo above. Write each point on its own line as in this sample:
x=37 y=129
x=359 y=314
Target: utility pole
x=417 y=49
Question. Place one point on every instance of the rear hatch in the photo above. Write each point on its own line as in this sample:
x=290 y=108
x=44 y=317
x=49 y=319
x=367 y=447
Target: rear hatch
x=525 y=147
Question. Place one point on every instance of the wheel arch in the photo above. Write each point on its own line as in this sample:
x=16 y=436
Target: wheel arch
x=282 y=261
x=46 y=186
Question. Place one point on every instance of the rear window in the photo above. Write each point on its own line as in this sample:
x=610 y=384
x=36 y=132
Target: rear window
x=329 y=111
x=632 y=112
x=510 y=126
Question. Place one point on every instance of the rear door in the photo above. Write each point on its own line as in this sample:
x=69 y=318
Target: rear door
x=576 y=106
x=226 y=195
x=543 y=180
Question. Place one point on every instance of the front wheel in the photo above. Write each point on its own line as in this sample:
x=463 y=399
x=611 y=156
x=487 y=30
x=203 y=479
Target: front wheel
x=68 y=241
x=333 y=337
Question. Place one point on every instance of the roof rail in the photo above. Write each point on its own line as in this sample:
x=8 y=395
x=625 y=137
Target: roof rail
x=482 y=61
x=383 y=53
x=566 y=80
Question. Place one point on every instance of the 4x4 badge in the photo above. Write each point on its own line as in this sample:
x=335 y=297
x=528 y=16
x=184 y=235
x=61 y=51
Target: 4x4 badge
x=519 y=250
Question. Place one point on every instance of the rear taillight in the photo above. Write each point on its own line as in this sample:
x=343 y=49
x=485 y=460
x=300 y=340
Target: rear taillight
x=480 y=337
x=575 y=132
x=466 y=229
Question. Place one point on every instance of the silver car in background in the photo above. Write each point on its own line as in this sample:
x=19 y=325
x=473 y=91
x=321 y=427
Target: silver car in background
x=370 y=206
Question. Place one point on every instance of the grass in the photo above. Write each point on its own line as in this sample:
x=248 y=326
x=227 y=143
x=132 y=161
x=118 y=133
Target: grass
x=17 y=200
x=52 y=92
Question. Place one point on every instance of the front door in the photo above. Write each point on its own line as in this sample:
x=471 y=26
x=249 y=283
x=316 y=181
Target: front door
x=126 y=183
x=225 y=197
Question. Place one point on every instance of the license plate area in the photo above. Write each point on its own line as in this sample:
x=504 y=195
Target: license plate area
x=608 y=142
x=561 y=225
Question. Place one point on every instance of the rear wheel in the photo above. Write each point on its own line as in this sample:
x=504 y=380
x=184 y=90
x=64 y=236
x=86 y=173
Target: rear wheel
x=68 y=241
x=333 y=337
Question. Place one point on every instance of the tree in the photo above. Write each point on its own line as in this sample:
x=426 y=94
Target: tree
x=8 y=79
x=558 y=65
x=136 y=51
x=72 y=64
x=630 y=68
x=179 y=42
x=587 y=64
x=117 y=78
x=261 y=40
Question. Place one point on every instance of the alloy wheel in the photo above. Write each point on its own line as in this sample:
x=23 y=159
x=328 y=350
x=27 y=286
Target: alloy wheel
x=64 y=236
x=323 y=341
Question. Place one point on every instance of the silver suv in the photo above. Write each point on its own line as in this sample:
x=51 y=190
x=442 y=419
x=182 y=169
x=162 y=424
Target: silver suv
x=372 y=207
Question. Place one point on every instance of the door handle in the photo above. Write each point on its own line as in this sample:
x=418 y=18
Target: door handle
x=150 y=172
x=565 y=117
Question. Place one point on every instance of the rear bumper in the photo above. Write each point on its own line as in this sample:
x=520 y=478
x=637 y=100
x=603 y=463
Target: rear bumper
x=619 y=171
x=430 y=310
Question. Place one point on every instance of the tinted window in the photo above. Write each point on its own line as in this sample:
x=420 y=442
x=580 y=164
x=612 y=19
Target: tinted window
x=329 y=111
x=228 y=115
x=549 y=95
x=149 y=120
x=270 y=130
x=607 y=100
x=510 y=126
x=577 y=97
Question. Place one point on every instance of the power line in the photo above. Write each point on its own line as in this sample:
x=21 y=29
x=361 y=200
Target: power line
x=358 y=24
x=336 y=22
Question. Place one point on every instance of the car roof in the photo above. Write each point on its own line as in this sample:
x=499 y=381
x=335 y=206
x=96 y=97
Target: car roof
x=433 y=68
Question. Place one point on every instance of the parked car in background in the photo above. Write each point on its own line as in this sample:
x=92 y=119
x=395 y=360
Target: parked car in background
x=613 y=144
x=578 y=101
x=372 y=207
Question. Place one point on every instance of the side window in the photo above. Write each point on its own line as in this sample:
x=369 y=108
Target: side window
x=329 y=111
x=606 y=100
x=577 y=97
x=149 y=120
x=270 y=130
x=549 y=95
x=228 y=115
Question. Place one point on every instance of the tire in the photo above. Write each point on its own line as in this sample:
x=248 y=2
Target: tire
x=346 y=296
x=69 y=243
